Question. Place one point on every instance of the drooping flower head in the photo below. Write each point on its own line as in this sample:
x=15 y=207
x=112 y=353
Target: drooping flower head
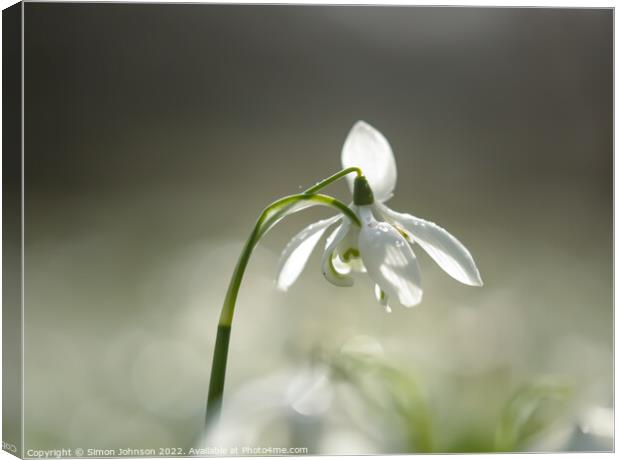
x=383 y=245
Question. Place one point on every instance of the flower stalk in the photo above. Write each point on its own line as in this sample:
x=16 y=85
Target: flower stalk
x=268 y=218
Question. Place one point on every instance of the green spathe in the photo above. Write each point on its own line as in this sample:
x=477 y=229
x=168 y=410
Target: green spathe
x=362 y=193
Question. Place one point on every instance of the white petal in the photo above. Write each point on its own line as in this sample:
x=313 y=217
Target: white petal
x=340 y=266
x=356 y=265
x=329 y=270
x=347 y=250
x=390 y=262
x=445 y=249
x=368 y=149
x=298 y=250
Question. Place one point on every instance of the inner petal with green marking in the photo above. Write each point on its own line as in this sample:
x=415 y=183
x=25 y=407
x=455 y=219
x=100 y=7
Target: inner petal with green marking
x=350 y=253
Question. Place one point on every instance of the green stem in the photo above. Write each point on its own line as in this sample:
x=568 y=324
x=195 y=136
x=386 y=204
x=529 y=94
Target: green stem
x=318 y=186
x=267 y=219
x=335 y=177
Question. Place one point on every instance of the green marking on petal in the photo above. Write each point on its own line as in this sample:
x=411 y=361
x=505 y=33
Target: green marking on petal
x=403 y=233
x=350 y=253
x=333 y=275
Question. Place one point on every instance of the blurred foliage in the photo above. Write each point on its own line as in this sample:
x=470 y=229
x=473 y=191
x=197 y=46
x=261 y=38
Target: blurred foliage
x=530 y=411
x=395 y=399
x=391 y=393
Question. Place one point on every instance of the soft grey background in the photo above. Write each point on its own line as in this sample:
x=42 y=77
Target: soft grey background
x=155 y=134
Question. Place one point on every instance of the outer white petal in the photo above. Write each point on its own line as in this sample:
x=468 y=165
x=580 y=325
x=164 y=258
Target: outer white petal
x=368 y=149
x=298 y=250
x=390 y=262
x=329 y=270
x=444 y=248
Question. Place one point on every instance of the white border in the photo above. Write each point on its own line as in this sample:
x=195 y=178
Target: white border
x=531 y=4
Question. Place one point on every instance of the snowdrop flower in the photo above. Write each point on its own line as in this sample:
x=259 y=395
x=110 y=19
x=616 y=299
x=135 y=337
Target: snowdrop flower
x=383 y=245
x=369 y=237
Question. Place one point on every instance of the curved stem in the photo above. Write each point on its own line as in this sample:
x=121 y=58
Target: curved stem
x=319 y=185
x=269 y=217
x=264 y=220
x=283 y=207
x=325 y=182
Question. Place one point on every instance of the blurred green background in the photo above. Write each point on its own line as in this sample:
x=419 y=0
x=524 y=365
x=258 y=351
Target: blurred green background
x=155 y=134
